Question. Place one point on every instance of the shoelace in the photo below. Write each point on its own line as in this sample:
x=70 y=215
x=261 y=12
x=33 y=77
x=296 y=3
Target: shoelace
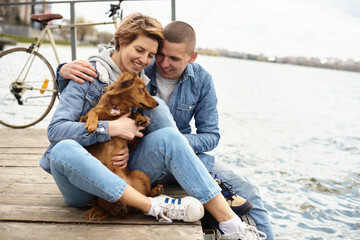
x=249 y=233
x=171 y=211
x=226 y=189
x=252 y=232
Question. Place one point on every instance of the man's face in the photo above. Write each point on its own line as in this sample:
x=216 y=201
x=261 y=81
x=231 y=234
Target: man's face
x=172 y=60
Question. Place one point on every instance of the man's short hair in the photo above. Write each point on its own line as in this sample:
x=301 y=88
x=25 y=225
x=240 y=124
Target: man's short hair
x=181 y=32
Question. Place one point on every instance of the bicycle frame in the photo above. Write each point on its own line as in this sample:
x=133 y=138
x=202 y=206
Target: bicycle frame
x=48 y=28
x=47 y=31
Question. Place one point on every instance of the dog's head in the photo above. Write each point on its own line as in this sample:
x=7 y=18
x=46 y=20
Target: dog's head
x=130 y=91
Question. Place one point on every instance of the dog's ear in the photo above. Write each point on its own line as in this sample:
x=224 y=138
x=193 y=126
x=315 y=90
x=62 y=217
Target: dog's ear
x=127 y=80
x=127 y=83
x=120 y=86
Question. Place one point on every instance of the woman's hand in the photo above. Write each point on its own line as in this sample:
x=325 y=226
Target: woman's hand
x=121 y=158
x=125 y=127
x=78 y=70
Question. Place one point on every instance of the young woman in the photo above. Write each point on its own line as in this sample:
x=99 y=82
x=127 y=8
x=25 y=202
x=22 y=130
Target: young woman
x=81 y=177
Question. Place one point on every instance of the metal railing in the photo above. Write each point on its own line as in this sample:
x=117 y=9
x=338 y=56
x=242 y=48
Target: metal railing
x=72 y=14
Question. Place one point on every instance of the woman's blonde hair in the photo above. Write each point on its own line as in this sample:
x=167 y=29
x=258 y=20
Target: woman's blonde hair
x=136 y=24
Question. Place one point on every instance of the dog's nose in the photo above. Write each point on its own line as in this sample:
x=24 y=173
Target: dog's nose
x=157 y=104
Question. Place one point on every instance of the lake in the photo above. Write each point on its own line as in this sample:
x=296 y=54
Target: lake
x=295 y=132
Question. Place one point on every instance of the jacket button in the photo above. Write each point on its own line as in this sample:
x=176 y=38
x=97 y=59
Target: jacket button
x=190 y=107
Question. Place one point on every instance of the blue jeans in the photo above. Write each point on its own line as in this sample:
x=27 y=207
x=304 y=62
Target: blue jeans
x=81 y=177
x=245 y=188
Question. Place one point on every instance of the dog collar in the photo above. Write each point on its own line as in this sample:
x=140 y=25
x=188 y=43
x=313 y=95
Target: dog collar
x=114 y=107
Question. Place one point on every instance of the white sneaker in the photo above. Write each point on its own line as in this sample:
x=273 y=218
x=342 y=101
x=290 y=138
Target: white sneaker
x=249 y=233
x=187 y=209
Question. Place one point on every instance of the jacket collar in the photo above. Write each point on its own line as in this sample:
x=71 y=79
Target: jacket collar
x=151 y=73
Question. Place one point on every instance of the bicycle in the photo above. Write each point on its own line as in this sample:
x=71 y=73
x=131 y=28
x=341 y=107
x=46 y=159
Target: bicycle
x=27 y=81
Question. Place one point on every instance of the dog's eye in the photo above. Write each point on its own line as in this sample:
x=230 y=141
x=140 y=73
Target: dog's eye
x=143 y=89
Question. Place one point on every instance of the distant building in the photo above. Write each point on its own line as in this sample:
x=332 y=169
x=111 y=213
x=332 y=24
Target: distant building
x=20 y=14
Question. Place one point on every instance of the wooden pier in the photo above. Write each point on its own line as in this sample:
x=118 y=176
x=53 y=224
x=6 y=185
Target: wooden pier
x=31 y=206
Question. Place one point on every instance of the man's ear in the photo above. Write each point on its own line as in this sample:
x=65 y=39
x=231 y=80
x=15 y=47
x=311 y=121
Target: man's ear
x=193 y=57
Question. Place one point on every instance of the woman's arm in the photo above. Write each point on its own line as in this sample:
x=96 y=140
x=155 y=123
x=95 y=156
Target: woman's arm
x=76 y=101
x=64 y=123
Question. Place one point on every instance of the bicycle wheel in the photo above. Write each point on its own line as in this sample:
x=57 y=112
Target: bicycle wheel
x=27 y=88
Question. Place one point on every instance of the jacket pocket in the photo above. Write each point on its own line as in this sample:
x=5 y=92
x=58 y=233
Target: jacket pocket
x=184 y=113
x=92 y=98
x=186 y=107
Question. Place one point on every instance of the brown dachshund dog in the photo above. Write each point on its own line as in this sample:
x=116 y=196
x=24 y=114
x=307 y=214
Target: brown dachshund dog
x=127 y=92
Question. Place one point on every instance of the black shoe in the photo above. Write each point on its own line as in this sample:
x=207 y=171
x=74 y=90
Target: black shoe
x=239 y=205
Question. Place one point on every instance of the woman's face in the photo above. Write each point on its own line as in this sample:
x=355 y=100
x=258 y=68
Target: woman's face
x=137 y=55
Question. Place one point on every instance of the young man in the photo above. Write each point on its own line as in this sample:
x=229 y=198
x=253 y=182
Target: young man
x=189 y=91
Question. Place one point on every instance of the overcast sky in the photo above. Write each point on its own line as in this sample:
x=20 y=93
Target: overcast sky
x=311 y=28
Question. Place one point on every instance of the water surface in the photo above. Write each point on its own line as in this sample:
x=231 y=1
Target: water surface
x=295 y=132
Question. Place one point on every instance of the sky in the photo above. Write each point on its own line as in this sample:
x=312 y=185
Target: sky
x=310 y=28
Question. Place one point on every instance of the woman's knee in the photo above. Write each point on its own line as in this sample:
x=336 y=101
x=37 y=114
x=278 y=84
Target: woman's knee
x=64 y=150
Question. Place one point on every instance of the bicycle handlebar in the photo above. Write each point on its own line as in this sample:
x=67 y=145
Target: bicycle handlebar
x=114 y=8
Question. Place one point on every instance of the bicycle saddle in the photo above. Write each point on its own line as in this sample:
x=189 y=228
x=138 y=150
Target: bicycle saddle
x=45 y=17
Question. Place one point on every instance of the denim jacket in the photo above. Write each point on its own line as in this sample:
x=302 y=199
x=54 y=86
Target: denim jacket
x=194 y=96
x=76 y=100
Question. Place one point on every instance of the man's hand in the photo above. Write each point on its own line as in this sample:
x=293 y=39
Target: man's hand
x=125 y=127
x=78 y=70
x=121 y=158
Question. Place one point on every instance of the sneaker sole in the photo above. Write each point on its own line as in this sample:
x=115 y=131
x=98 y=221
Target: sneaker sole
x=243 y=209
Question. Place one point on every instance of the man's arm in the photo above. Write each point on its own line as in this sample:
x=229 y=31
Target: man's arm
x=77 y=70
x=206 y=120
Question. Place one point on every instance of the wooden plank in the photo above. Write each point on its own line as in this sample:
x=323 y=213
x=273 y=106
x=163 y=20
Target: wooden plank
x=66 y=214
x=20 y=161
x=23 y=138
x=31 y=158
x=24 y=175
x=38 y=151
x=29 y=231
x=25 y=189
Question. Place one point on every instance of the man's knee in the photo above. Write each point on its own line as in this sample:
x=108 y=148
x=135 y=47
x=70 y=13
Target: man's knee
x=170 y=136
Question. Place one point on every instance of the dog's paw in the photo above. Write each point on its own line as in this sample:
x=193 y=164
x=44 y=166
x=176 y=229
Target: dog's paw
x=140 y=120
x=143 y=121
x=91 y=125
x=119 y=209
x=83 y=118
x=156 y=191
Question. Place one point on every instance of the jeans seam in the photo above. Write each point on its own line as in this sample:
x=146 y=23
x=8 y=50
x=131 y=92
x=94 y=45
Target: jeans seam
x=202 y=200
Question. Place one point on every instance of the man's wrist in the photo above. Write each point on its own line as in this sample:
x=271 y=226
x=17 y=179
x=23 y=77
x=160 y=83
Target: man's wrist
x=60 y=76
